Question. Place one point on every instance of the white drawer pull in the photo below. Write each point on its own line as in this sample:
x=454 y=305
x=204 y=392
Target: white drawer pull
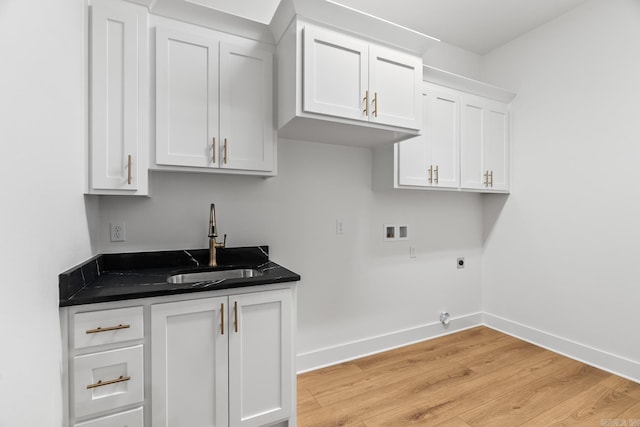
x=110 y=328
x=109 y=382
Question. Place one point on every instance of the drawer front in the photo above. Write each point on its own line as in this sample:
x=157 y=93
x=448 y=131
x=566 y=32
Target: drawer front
x=107 y=326
x=108 y=380
x=133 y=418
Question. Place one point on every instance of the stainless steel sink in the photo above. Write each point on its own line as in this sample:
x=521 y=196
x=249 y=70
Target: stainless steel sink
x=213 y=275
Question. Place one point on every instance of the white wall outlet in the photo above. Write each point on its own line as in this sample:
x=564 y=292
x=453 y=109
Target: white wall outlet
x=117 y=232
x=339 y=226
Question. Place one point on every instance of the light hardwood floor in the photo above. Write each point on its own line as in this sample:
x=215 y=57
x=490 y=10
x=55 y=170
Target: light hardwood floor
x=477 y=377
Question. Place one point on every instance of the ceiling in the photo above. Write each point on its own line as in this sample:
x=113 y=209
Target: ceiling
x=475 y=25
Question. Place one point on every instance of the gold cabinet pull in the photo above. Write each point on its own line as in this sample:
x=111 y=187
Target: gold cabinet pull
x=375 y=104
x=235 y=315
x=129 y=169
x=101 y=383
x=430 y=170
x=366 y=103
x=110 y=328
x=437 y=175
x=491 y=179
x=213 y=150
x=222 y=319
x=226 y=151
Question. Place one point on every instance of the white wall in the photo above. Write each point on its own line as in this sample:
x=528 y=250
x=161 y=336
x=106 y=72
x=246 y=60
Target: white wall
x=354 y=286
x=44 y=218
x=561 y=256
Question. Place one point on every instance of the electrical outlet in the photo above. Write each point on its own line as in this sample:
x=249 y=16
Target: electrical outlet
x=117 y=232
x=412 y=252
x=460 y=262
x=339 y=226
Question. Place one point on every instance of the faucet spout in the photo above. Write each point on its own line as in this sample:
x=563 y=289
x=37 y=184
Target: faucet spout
x=213 y=233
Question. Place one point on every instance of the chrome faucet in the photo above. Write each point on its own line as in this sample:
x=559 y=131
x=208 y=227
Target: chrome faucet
x=213 y=233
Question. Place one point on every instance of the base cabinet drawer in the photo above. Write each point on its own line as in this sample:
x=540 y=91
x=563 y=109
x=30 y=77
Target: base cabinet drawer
x=108 y=380
x=107 y=326
x=132 y=418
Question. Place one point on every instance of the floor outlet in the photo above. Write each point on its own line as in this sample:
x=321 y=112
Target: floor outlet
x=117 y=232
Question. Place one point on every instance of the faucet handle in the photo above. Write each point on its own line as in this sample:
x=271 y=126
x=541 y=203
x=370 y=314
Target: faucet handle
x=223 y=243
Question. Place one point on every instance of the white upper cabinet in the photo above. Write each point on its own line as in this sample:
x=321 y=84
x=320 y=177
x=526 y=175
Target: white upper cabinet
x=336 y=76
x=395 y=83
x=246 y=108
x=214 y=104
x=432 y=159
x=484 y=145
x=338 y=88
x=119 y=99
x=186 y=99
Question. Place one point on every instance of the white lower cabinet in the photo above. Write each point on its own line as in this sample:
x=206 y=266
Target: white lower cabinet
x=219 y=359
x=224 y=361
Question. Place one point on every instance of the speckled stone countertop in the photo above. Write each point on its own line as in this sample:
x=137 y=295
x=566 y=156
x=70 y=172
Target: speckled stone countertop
x=114 y=277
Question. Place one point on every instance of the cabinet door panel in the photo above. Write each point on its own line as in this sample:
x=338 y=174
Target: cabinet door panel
x=335 y=70
x=442 y=128
x=495 y=151
x=395 y=86
x=246 y=108
x=414 y=158
x=260 y=358
x=186 y=99
x=189 y=370
x=118 y=96
x=471 y=143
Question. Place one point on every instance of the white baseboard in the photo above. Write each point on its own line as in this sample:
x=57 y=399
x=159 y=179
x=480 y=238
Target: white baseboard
x=353 y=350
x=609 y=362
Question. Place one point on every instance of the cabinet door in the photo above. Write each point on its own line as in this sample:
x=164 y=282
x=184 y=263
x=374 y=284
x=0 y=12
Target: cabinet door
x=414 y=157
x=484 y=144
x=119 y=113
x=335 y=74
x=189 y=370
x=246 y=108
x=395 y=86
x=186 y=99
x=260 y=358
x=443 y=137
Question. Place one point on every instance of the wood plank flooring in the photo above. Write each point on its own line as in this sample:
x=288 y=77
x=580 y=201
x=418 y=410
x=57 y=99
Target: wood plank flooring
x=477 y=377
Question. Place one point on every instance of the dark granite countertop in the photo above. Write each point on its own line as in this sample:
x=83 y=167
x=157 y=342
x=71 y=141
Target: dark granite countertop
x=113 y=277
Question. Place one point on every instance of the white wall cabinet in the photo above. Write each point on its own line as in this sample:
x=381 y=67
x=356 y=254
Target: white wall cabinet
x=213 y=103
x=432 y=159
x=119 y=99
x=335 y=87
x=223 y=361
x=484 y=144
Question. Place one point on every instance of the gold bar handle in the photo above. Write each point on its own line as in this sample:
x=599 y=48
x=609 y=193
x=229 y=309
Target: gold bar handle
x=213 y=150
x=101 y=383
x=235 y=315
x=366 y=103
x=437 y=175
x=375 y=104
x=129 y=169
x=491 y=179
x=226 y=151
x=430 y=170
x=110 y=328
x=222 y=319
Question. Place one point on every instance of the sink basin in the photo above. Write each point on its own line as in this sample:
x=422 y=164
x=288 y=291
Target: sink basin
x=213 y=275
